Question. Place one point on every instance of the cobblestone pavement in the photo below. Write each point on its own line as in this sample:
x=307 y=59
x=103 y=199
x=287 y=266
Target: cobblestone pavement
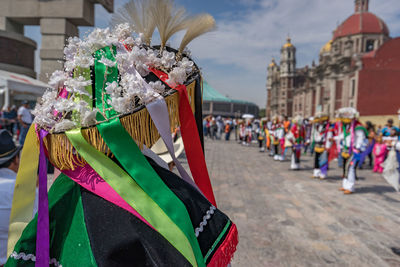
x=285 y=218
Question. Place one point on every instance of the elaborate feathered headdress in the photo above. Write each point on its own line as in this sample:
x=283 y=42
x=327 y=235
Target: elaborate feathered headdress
x=119 y=92
x=347 y=114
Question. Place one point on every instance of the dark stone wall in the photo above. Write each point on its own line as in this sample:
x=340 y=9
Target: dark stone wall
x=17 y=53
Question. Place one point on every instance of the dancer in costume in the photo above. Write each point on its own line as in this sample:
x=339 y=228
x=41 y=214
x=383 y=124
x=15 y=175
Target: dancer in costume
x=380 y=152
x=296 y=137
x=278 y=134
x=262 y=135
x=113 y=205
x=353 y=141
x=322 y=140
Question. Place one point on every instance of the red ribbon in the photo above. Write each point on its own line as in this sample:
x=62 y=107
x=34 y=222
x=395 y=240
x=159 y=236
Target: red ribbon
x=191 y=140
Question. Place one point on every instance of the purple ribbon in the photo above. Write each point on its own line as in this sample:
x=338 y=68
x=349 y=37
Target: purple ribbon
x=43 y=235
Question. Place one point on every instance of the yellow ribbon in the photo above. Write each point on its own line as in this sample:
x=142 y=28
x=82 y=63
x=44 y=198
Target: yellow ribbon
x=25 y=190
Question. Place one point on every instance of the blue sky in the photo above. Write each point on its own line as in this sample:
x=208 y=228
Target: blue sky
x=249 y=33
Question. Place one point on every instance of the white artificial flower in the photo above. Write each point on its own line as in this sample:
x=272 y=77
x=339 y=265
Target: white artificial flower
x=77 y=85
x=83 y=60
x=57 y=78
x=71 y=48
x=186 y=64
x=113 y=88
x=152 y=59
x=64 y=105
x=168 y=59
x=44 y=112
x=88 y=117
x=64 y=125
x=177 y=76
x=157 y=87
x=120 y=104
x=123 y=31
x=100 y=38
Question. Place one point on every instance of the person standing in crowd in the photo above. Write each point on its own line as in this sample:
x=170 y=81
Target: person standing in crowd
x=267 y=131
x=379 y=130
x=9 y=117
x=386 y=131
x=248 y=131
x=380 y=152
x=25 y=120
x=205 y=127
x=242 y=132
x=296 y=137
x=261 y=136
x=213 y=128
x=371 y=143
x=391 y=140
x=322 y=139
x=220 y=127
x=286 y=124
x=278 y=134
x=9 y=163
x=228 y=129
x=354 y=142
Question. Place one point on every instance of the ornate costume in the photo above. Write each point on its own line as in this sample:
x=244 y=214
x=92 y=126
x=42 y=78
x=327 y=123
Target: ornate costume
x=321 y=139
x=353 y=141
x=113 y=205
x=296 y=136
x=278 y=136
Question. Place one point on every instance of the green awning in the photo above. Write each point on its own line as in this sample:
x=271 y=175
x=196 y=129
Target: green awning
x=212 y=95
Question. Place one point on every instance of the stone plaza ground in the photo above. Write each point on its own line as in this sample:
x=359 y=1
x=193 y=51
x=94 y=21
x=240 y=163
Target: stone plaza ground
x=285 y=218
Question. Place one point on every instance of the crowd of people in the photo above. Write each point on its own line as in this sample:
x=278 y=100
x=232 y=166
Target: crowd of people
x=16 y=121
x=353 y=144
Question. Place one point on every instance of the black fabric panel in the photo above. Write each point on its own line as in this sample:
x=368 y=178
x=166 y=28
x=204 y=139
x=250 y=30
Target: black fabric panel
x=219 y=243
x=197 y=206
x=119 y=238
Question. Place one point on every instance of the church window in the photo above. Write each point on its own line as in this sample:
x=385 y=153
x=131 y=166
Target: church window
x=353 y=87
x=369 y=46
x=357 y=44
x=289 y=54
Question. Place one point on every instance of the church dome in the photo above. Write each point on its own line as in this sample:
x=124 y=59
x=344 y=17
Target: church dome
x=288 y=43
x=326 y=48
x=362 y=22
x=272 y=64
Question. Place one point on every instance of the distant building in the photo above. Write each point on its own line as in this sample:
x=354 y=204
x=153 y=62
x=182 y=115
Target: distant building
x=214 y=103
x=359 y=67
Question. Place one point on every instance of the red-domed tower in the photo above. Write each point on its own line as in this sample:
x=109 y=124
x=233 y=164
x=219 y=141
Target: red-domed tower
x=362 y=32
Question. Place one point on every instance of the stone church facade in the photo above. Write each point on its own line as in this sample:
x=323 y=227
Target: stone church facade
x=335 y=81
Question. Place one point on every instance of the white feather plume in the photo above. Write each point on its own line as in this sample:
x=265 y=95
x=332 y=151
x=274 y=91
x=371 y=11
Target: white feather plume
x=168 y=19
x=197 y=26
x=137 y=14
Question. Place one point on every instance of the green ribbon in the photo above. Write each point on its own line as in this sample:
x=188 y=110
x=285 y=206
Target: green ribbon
x=132 y=160
x=133 y=194
x=104 y=75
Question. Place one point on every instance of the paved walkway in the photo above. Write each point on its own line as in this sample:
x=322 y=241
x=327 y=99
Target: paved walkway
x=285 y=218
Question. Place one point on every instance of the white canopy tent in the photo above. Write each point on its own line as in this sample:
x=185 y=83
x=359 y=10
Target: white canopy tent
x=15 y=88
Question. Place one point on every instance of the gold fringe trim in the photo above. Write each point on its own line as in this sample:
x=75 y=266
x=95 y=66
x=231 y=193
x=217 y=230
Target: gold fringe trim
x=191 y=94
x=139 y=125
